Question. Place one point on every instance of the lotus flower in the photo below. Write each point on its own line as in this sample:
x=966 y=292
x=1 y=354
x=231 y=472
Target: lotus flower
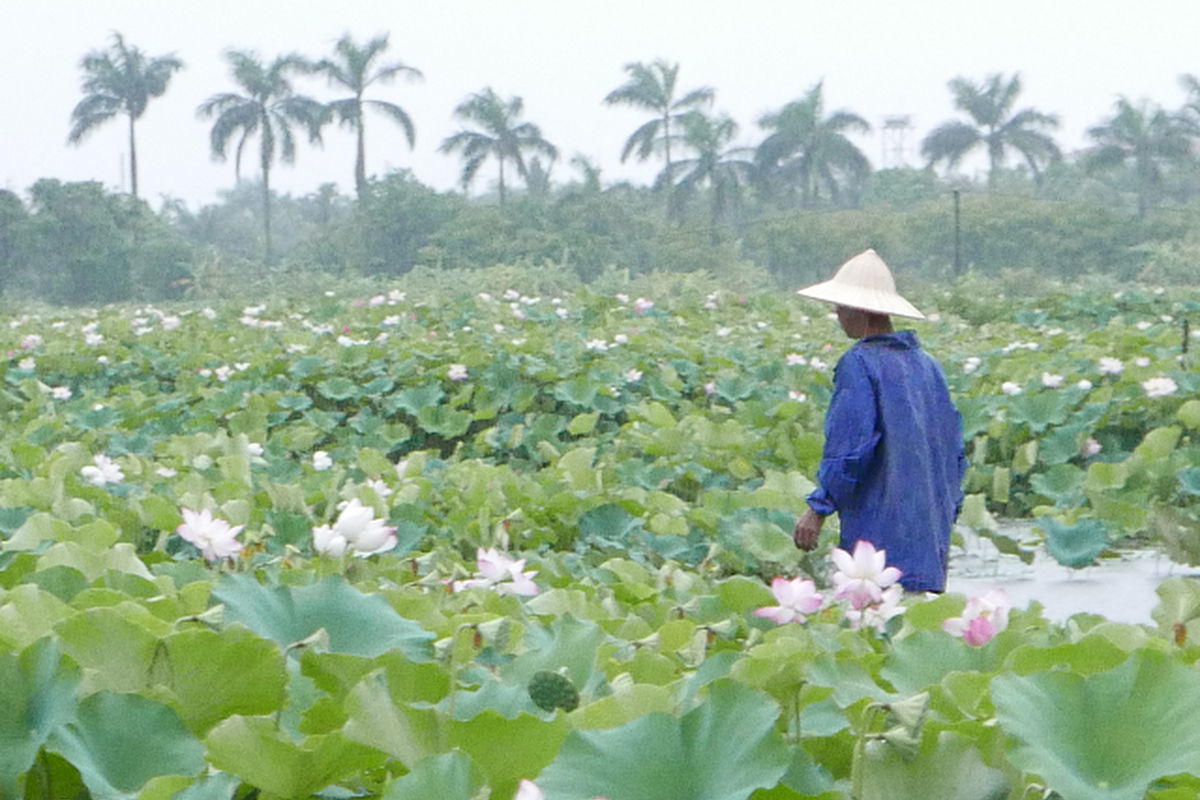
x=457 y=372
x=103 y=470
x=215 y=538
x=796 y=598
x=321 y=461
x=1160 y=387
x=356 y=531
x=499 y=571
x=877 y=615
x=982 y=619
x=862 y=577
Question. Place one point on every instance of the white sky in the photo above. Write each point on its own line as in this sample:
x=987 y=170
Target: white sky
x=877 y=57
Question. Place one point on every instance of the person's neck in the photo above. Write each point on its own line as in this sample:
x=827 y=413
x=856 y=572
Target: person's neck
x=878 y=325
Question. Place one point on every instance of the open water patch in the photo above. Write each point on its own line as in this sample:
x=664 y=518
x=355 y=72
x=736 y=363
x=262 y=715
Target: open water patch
x=1121 y=588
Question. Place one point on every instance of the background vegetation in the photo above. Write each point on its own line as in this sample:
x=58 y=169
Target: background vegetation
x=796 y=204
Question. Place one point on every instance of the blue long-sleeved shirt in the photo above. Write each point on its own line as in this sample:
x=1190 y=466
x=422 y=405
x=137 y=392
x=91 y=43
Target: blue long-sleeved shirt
x=893 y=462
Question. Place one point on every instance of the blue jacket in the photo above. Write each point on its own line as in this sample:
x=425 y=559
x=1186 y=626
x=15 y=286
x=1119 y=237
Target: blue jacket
x=893 y=462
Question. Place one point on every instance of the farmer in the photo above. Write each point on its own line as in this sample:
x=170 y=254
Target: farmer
x=893 y=462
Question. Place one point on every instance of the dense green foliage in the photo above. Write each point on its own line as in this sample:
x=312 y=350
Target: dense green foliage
x=644 y=451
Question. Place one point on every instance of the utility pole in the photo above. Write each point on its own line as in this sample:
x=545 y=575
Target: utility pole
x=957 y=229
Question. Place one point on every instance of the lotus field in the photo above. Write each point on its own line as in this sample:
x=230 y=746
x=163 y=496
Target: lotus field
x=469 y=545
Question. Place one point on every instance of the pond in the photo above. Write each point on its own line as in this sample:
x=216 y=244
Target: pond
x=1121 y=588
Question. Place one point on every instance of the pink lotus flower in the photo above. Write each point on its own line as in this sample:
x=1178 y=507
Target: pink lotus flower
x=982 y=619
x=499 y=571
x=862 y=577
x=796 y=597
x=877 y=615
x=215 y=537
x=528 y=790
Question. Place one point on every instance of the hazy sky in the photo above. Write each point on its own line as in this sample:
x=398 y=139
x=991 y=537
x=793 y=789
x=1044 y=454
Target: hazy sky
x=877 y=58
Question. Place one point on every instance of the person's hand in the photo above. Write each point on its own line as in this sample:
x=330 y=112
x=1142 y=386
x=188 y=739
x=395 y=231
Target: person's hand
x=808 y=530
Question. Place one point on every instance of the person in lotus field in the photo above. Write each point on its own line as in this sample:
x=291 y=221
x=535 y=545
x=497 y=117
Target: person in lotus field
x=893 y=462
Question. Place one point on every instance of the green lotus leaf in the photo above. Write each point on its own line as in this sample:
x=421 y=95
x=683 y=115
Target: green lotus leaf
x=449 y=776
x=1040 y=410
x=723 y=749
x=1105 y=736
x=112 y=647
x=194 y=667
x=444 y=421
x=1189 y=414
x=953 y=770
x=1077 y=545
x=118 y=742
x=415 y=399
x=258 y=752
x=37 y=696
x=355 y=623
x=338 y=388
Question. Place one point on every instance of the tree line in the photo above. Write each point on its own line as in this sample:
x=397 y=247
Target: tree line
x=787 y=202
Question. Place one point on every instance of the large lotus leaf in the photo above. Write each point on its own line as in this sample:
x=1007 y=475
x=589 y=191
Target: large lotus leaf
x=449 y=776
x=337 y=388
x=1158 y=444
x=925 y=657
x=210 y=676
x=255 y=750
x=356 y=623
x=414 y=399
x=608 y=525
x=1040 y=410
x=569 y=643
x=118 y=742
x=1105 y=736
x=952 y=771
x=37 y=695
x=1075 y=545
x=723 y=749
x=112 y=647
x=379 y=720
x=27 y=614
x=1060 y=482
x=1189 y=414
x=529 y=744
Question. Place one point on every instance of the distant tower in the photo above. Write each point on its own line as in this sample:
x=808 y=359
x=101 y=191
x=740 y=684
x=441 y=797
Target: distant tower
x=895 y=141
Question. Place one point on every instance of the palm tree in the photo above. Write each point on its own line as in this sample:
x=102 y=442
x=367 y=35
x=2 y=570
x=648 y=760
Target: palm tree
x=994 y=126
x=503 y=137
x=1146 y=135
x=723 y=171
x=652 y=87
x=268 y=109
x=808 y=150
x=121 y=79
x=354 y=69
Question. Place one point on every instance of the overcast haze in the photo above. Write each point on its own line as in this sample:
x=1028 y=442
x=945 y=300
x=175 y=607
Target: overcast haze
x=563 y=56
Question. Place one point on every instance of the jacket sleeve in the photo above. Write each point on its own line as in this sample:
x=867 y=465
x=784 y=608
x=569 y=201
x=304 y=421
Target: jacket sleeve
x=851 y=437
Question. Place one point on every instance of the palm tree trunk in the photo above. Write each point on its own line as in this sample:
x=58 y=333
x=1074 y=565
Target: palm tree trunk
x=132 y=159
x=501 y=159
x=266 y=199
x=360 y=161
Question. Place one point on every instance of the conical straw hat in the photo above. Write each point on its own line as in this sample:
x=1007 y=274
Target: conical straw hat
x=863 y=282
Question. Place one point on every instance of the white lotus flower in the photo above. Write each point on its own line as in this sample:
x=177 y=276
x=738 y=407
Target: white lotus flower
x=61 y=392
x=1110 y=366
x=321 y=461
x=642 y=305
x=457 y=372
x=596 y=345
x=1160 y=386
x=102 y=471
x=633 y=375
x=27 y=363
x=170 y=323
x=795 y=359
x=356 y=531
x=1010 y=388
x=1091 y=447
x=215 y=537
